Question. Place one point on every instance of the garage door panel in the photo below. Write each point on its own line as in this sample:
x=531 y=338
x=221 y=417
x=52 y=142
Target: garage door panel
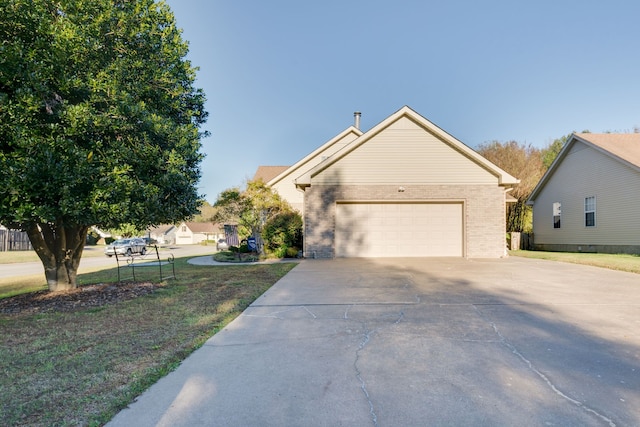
x=399 y=229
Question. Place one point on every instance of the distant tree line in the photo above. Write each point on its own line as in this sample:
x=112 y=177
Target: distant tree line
x=527 y=163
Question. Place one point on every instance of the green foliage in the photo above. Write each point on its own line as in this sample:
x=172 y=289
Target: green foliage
x=525 y=163
x=292 y=252
x=99 y=119
x=251 y=209
x=550 y=153
x=92 y=238
x=283 y=231
x=127 y=230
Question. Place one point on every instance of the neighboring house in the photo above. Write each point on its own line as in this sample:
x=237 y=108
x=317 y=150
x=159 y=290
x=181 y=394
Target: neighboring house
x=405 y=188
x=163 y=234
x=189 y=233
x=267 y=173
x=588 y=199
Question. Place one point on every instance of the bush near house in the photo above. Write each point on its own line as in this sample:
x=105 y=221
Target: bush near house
x=283 y=234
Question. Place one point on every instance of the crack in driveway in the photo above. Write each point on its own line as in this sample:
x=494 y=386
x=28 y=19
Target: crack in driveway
x=503 y=341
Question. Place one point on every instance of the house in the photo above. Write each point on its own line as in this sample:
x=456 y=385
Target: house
x=405 y=188
x=267 y=173
x=587 y=200
x=189 y=233
x=284 y=182
x=163 y=234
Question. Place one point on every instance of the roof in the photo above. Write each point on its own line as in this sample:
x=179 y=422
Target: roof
x=202 y=227
x=623 y=147
x=267 y=173
x=504 y=178
x=161 y=229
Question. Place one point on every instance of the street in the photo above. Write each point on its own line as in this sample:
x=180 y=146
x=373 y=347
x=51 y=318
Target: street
x=90 y=263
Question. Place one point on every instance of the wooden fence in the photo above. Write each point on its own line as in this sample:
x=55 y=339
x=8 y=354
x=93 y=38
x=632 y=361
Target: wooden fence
x=14 y=240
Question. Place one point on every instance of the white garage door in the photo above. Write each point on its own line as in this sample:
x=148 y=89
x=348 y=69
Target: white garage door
x=399 y=229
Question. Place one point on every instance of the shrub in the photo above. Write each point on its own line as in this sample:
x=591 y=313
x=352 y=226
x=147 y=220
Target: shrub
x=92 y=238
x=109 y=240
x=280 y=252
x=283 y=231
x=292 y=252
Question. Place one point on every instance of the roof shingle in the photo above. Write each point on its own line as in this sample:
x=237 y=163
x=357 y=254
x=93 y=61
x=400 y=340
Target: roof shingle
x=623 y=145
x=267 y=173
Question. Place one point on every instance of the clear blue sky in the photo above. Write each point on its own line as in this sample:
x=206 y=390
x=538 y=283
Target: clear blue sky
x=284 y=76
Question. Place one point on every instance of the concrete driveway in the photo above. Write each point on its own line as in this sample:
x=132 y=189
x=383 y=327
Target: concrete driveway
x=417 y=342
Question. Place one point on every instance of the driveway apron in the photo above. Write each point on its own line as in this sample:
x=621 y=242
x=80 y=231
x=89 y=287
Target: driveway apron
x=417 y=342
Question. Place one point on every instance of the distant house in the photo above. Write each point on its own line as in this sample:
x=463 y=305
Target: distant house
x=190 y=233
x=267 y=173
x=163 y=234
x=404 y=188
x=588 y=199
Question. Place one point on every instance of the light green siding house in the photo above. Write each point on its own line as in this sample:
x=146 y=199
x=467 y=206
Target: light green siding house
x=589 y=199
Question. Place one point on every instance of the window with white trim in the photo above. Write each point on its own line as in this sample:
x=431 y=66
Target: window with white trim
x=590 y=211
x=556 y=214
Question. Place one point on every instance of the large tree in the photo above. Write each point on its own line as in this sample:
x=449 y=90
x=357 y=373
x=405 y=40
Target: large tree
x=525 y=163
x=99 y=123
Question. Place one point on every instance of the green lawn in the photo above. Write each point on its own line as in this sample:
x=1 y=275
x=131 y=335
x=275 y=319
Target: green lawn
x=623 y=262
x=81 y=367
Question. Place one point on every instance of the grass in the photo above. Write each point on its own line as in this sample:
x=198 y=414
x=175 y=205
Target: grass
x=82 y=367
x=623 y=262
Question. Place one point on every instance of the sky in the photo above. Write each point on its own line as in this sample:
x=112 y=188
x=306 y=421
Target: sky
x=282 y=77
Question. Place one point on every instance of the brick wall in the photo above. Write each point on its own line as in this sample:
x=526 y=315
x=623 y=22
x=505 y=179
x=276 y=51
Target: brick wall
x=484 y=213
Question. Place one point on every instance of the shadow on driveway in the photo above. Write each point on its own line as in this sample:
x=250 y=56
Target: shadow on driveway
x=417 y=342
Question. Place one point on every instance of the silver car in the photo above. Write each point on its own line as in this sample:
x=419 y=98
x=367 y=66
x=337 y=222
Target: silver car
x=126 y=247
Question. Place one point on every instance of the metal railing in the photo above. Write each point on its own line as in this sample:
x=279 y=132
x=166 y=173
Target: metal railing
x=145 y=261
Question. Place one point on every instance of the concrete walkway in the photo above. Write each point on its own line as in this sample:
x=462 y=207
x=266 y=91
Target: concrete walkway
x=417 y=342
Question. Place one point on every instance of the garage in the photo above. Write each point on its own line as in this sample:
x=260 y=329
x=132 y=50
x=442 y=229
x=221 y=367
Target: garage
x=411 y=229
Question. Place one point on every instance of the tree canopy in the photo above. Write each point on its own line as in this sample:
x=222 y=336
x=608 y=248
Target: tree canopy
x=528 y=164
x=251 y=208
x=523 y=162
x=99 y=122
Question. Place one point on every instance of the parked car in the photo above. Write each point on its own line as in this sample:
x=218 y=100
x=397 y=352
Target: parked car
x=126 y=247
x=222 y=245
x=149 y=241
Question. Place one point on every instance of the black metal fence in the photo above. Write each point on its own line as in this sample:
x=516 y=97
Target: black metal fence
x=14 y=240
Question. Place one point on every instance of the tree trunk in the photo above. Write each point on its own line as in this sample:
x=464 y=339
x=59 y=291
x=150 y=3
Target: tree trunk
x=516 y=216
x=59 y=247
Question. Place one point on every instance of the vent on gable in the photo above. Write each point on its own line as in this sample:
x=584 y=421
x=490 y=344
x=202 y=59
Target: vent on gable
x=356 y=119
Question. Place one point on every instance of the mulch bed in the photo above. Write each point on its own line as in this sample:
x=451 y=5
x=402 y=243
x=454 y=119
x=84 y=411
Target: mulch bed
x=76 y=299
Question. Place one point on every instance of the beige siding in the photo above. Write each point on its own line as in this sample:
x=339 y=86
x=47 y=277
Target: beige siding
x=285 y=186
x=405 y=153
x=585 y=172
x=288 y=191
